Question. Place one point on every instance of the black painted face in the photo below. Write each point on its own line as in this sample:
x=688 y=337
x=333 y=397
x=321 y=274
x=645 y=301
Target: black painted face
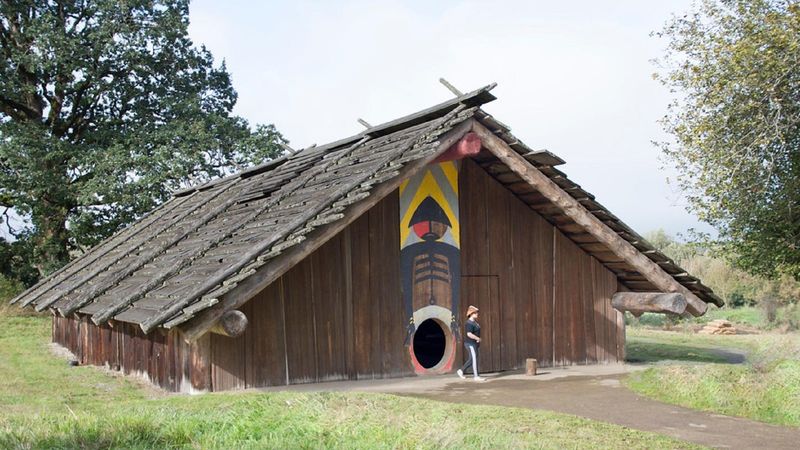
x=429 y=220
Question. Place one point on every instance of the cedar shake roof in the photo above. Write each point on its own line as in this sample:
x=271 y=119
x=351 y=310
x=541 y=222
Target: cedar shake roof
x=187 y=254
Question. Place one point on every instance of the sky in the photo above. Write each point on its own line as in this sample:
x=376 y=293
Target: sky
x=575 y=78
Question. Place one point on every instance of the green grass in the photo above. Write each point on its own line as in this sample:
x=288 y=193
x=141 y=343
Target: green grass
x=746 y=315
x=766 y=388
x=44 y=403
x=650 y=348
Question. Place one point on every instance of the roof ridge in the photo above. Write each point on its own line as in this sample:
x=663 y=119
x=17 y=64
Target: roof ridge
x=477 y=97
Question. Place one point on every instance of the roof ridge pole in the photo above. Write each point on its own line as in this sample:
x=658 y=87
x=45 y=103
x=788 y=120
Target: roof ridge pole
x=286 y=147
x=577 y=212
x=452 y=88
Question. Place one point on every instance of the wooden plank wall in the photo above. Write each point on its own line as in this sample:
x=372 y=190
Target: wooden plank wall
x=337 y=315
x=553 y=299
x=162 y=357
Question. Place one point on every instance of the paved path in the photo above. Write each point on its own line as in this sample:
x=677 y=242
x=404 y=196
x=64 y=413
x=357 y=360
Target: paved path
x=594 y=392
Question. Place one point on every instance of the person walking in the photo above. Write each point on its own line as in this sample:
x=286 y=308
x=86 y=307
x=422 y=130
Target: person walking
x=472 y=340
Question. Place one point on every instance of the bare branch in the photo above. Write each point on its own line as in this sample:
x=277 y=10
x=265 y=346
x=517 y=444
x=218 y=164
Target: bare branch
x=7 y=221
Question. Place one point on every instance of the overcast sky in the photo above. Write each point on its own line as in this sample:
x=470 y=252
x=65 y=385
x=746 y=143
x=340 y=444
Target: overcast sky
x=573 y=77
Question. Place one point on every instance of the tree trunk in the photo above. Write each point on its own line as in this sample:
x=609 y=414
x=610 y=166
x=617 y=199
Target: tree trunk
x=52 y=238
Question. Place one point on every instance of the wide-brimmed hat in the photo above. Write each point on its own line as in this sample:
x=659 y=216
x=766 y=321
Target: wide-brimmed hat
x=471 y=310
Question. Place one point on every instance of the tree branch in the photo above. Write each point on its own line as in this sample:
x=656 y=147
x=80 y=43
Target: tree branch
x=17 y=110
x=7 y=220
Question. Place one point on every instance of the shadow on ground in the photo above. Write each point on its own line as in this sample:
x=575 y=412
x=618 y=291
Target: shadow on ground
x=646 y=351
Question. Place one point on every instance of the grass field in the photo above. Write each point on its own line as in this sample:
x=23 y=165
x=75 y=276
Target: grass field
x=44 y=403
x=765 y=388
x=787 y=318
x=748 y=315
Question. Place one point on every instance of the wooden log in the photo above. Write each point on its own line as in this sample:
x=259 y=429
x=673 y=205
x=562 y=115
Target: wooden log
x=530 y=366
x=656 y=302
x=231 y=324
x=270 y=272
x=588 y=222
x=199 y=364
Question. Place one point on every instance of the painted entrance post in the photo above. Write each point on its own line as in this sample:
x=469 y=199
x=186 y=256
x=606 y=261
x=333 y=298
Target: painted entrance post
x=430 y=257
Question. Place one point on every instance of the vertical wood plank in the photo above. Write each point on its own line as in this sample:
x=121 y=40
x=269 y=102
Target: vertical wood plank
x=542 y=288
x=156 y=370
x=128 y=348
x=561 y=332
x=328 y=278
x=200 y=364
x=577 y=324
x=474 y=218
x=266 y=351
x=349 y=332
x=502 y=263
x=300 y=330
x=587 y=299
x=522 y=235
x=384 y=248
x=366 y=309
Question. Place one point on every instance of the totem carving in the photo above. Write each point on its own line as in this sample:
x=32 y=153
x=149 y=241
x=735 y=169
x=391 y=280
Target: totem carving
x=430 y=263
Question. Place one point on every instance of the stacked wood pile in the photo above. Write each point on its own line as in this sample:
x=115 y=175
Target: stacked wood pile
x=719 y=326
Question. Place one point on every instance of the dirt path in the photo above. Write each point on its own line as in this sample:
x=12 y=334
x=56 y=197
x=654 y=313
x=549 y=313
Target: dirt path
x=604 y=398
x=594 y=392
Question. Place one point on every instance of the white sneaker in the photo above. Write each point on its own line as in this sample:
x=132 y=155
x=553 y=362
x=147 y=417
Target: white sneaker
x=460 y=374
x=478 y=379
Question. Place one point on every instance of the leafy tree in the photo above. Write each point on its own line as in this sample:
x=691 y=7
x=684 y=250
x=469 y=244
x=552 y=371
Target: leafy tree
x=14 y=261
x=735 y=286
x=734 y=66
x=106 y=106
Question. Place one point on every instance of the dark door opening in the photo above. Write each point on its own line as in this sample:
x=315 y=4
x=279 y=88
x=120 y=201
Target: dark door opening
x=429 y=343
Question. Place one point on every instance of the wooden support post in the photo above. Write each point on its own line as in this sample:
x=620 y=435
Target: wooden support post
x=578 y=213
x=656 y=302
x=530 y=366
x=231 y=324
x=199 y=364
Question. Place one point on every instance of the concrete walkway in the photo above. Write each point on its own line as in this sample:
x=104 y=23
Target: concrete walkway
x=594 y=392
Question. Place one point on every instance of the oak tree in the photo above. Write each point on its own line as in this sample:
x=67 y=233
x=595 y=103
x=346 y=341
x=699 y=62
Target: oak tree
x=106 y=106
